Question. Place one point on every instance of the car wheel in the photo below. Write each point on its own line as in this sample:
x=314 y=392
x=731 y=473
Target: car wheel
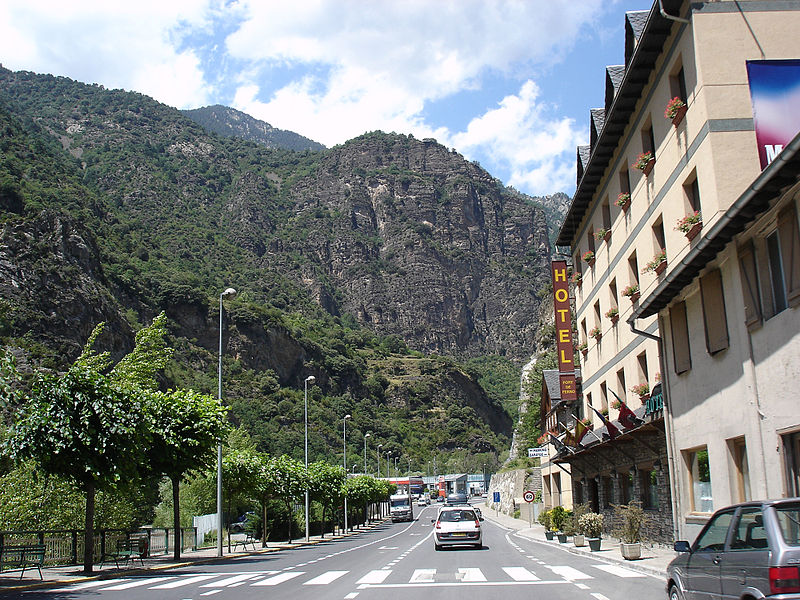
x=675 y=593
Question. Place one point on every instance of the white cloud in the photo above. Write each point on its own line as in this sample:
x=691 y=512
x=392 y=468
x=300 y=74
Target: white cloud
x=128 y=45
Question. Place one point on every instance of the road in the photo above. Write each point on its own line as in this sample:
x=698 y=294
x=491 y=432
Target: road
x=393 y=561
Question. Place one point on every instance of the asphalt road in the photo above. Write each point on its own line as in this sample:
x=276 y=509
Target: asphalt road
x=394 y=561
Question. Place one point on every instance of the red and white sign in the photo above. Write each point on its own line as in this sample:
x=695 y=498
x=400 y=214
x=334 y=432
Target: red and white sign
x=528 y=496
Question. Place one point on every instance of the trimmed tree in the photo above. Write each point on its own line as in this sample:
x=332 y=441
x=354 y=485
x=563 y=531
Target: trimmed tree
x=325 y=486
x=290 y=479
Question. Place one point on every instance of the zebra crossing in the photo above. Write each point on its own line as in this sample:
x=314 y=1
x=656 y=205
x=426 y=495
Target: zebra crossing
x=210 y=583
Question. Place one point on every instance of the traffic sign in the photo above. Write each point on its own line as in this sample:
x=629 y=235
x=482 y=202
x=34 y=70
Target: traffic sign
x=528 y=496
x=496 y=497
x=540 y=452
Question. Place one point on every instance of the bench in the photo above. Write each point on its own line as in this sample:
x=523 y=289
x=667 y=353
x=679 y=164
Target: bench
x=249 y=538
x=127 y=549
x=22 y=557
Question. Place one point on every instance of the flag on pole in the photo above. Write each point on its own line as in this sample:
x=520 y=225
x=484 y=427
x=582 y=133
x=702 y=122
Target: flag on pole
x=612 y=431
x=627 y=417
x=560 y=446
x=573 y=438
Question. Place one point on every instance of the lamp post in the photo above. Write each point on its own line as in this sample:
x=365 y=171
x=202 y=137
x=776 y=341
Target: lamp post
x=344 y=451
x=378 y=452
x=310 y=379
x=228 y=292
x=388 y=467
x=366 y=435
x=395 y=464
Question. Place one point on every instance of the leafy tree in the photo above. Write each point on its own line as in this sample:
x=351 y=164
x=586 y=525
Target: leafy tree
x=239 y=475
x=325 y=486
x=291 y=480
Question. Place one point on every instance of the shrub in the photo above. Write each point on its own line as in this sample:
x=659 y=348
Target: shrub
x=571 y=525
x=558 y=516
x=631 y=518
x=591 y=525
x=544 y=519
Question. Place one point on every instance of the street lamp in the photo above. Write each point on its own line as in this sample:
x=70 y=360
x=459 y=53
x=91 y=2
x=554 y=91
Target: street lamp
x=378 y=452
x=310 y=379
x=388 y=467
x=366 y=435
x=344 y=452
x=228 y=292
x=395 y=464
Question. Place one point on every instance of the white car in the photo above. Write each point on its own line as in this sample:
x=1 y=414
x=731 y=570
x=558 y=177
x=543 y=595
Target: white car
x=423 y=501
x=457 y=526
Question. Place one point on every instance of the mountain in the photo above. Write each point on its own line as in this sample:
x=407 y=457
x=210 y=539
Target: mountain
x=380 y=266
x=229 y=122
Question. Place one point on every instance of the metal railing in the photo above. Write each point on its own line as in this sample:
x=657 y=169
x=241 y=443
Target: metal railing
x=65 y=546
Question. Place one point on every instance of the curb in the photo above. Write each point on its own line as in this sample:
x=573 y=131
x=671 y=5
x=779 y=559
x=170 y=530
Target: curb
x=203 y=561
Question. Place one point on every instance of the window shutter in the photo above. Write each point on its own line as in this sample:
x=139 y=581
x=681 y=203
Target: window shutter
x=749 y=275
x=790 y=250
x=680 y=337
x=716 y=323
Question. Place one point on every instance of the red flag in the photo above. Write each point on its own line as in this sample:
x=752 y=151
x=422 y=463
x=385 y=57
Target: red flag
x=612 y=431
x=627 y=417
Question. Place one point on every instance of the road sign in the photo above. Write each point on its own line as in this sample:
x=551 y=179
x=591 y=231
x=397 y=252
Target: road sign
x=496 y=497
x=540 y=452
x=528 y=496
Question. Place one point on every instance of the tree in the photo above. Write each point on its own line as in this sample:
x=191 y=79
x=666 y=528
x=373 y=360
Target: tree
x=291 y=480
x=325 y=486
x=185 y=428
x=85 y=427
x=239 y=474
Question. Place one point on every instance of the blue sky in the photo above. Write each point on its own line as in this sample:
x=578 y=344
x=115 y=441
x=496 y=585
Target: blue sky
x=508 y=83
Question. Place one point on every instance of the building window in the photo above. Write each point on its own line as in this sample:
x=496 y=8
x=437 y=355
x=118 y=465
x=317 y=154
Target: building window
x=648 y=482
x=648 y=139
x=749 y=276
x=679 y=327
x=790 y=252
x=714 y=317
x=699 y=480
x=677 y=84
x=606 y=210
x=613 y=297
x=791 y=451
x=603 y=398
x=691 y=192
x=625 y=480
x=658 y=236
x=633 y=269
x=621 y=389
x=741 y=468
x=557 y=489
x=641 y=361
x=590 y=239
x=779 y=301
x=625 y=181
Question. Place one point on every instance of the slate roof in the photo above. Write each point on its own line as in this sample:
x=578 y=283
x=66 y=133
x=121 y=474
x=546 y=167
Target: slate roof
x=618 y=113
x=596 y=121
x=550 y=378
x=782 y=172
x=634 y=26
x=614 y=76
x=583 y=160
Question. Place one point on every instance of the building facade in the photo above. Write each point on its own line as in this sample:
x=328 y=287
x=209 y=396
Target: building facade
x=671 y=154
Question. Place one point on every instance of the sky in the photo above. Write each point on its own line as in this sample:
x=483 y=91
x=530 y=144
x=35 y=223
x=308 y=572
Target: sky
x=507 y=83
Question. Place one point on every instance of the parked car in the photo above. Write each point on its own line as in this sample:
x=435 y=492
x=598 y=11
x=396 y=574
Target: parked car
x=748 y=550
x=423 y=501
x=456 y=499
x=245 y=522
x=457 y=526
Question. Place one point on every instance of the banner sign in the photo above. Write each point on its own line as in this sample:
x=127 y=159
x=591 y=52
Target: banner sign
x=775 y=95
x=566 y=364
x=539 y=452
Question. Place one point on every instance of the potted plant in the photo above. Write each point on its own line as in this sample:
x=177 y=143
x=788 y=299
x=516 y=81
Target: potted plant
x=644 y=162
x=596 y=333
x=588 y=256
x=631 y=519
x=602 y=234
x=632 y=292
x=675 y=110
x=583 y=347
x=642 y=390
x=591 y=525
x=577 y=279
x=613 y=314
x=658 y=263
x=623 y=201
x=691 y=224
x=558 y=516
x=546 y=522
x=572 y=526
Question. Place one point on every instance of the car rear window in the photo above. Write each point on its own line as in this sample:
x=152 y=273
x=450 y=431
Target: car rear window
x=789 y=520
x=457 y=515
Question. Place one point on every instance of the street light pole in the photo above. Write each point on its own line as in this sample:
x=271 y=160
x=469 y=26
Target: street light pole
x=366 y=435
x=378 y=452
x=228 y=292
x=344 y=451
x=310 y=379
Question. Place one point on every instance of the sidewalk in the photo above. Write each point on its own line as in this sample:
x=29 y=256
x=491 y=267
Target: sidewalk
x=654 y=560
x=57 y=576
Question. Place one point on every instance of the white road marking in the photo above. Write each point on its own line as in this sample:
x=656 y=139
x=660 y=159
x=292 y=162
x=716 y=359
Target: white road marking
x=569 y=573
x=470 y=574
x=375 y=576
x=520 y=574
x=351 y=595
x=229 y=580
x=582 y=586
x=279 y=578
x=388 y=547
x=86 y=585
x=136 y=583
x=422 y=576
x=326 y=578
x=211 y=593
x=618 y=571
x=599 y=596
x=183 y=581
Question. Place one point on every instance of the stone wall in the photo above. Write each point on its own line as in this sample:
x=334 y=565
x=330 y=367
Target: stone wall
x=511 y=485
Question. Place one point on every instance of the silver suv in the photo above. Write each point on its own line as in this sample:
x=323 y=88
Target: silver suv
x=745 y=551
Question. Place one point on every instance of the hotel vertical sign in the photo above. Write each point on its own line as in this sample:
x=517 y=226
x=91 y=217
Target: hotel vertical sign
x=566 y=364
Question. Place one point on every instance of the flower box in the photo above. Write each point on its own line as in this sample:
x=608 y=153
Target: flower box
x=623 y=201
x=691 y=224
x=644 y=162
x=613 y=314
x=660 y=268
x=675 y=110
x=602 y=235
x=694 y=231
x=658 y=263
x=577 y=279
x=632 y=292
x=596 y=333
x=588 y=256
x=642 y=390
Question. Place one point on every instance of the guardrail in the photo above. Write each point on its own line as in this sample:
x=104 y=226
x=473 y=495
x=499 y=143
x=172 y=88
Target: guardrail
x=65 y=546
